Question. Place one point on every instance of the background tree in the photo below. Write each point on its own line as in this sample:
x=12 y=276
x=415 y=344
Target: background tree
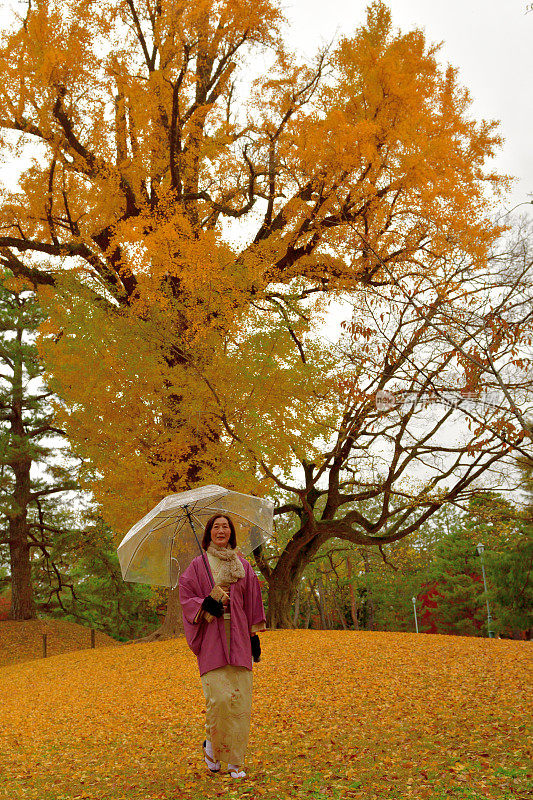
x=414 y=421
x=135 y=205
x=438 y=565
x=369 y=587
x=57 y=560
x=27 y=433
x=455 y=585
x=510 y=594
x=457 y=591
x=394 y=573
x=148 y=150
x=78 y=579
x=510 y=567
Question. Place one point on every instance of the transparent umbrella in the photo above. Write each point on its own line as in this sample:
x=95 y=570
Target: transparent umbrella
x=163 y=543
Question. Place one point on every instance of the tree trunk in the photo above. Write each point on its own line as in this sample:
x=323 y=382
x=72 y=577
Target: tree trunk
x=296 y=608
x=353 y=601
x=280 y=598
x=340 y=613
x=323 y=596
x=369 y=598
x=284 y=579
x=22 y=602
x=309 y=606
x=308 y=615
x=320 y=604
x=329 y=609
x=172 y=626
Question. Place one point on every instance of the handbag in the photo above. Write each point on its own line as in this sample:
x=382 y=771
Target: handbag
x=256 y=647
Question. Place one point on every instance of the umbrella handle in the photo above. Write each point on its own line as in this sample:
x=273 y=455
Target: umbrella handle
x=177 y=570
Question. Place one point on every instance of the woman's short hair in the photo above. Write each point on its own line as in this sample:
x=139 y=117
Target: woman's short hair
x=206 y=541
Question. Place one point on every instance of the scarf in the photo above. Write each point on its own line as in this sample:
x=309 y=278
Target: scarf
x=229 y=567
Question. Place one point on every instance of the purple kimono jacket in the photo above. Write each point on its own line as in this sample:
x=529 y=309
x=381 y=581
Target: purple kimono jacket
x=207 y=640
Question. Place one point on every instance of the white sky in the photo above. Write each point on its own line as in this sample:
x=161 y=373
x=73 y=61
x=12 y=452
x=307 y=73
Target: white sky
x=489 y=41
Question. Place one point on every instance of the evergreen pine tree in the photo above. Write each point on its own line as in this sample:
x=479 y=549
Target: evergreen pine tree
x=91 y=590
x=511 y=595
x=456 y=572
x=32 y=462
x=57 y=557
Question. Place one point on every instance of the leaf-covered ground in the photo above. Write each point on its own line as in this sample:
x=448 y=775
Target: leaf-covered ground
x=336 y=714
x=23 y=640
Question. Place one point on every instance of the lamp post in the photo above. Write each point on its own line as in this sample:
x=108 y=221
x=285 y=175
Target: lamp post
x=414 y=609
x=481 y=549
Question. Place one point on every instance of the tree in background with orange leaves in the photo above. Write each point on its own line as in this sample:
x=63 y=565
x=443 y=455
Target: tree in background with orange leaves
x=186 y=226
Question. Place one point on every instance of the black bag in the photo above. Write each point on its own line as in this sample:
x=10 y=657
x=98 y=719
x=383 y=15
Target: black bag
x=256 y=647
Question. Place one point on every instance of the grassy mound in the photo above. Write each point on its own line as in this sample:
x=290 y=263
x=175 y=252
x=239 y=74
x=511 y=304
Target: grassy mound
x=22 y=640
x=336 y=714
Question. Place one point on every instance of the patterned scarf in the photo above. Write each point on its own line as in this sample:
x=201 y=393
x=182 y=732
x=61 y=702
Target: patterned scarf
x=229 y=566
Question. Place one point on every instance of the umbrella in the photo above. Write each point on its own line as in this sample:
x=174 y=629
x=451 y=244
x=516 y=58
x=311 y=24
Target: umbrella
x=160 y=546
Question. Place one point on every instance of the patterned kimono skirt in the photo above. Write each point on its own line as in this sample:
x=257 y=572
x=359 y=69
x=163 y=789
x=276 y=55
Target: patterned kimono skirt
x=228 y=697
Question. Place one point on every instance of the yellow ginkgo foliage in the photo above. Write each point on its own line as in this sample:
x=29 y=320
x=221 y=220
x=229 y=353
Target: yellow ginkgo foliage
x=181 y=217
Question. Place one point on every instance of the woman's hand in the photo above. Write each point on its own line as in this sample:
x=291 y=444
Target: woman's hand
x=214 y=604
x=218 y=593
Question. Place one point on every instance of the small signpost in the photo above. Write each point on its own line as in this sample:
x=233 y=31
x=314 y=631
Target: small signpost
x=414 y=609
x=481 y=549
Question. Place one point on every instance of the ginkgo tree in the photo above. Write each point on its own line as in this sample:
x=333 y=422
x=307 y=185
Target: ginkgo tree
x=152 y=149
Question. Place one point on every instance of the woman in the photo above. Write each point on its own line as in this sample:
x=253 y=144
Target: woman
x=222 y=614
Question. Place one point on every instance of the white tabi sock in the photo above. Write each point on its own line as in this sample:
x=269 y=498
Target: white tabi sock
x=209 y=751
x=236 y=772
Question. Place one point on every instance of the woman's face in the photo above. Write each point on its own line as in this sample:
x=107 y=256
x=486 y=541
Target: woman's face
x=220 y=532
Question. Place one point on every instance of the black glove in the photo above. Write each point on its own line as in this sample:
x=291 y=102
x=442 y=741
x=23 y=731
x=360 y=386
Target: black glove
x=212 y=606
x=256 y=647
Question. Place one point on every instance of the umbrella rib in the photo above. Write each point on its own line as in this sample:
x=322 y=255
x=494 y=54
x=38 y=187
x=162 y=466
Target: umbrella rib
x=164 y=524
x=180 y=521
x=202 y=501
x=236 y=514
x=133 y=533
x=145 y=537
x=172 y=512
x=161 y=519
x=199 y=521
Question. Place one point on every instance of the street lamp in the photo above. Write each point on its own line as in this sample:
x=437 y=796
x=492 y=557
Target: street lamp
x=481 y=549
x=414 y=609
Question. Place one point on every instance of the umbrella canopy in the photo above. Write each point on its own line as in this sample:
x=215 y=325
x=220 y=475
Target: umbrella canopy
x=163 y=543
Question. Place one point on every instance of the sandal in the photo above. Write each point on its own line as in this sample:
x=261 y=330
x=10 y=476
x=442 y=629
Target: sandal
x=210 y=761
x=236 y=772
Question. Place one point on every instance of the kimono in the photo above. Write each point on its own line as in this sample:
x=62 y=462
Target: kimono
x=207 y=640
x=224 y=654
